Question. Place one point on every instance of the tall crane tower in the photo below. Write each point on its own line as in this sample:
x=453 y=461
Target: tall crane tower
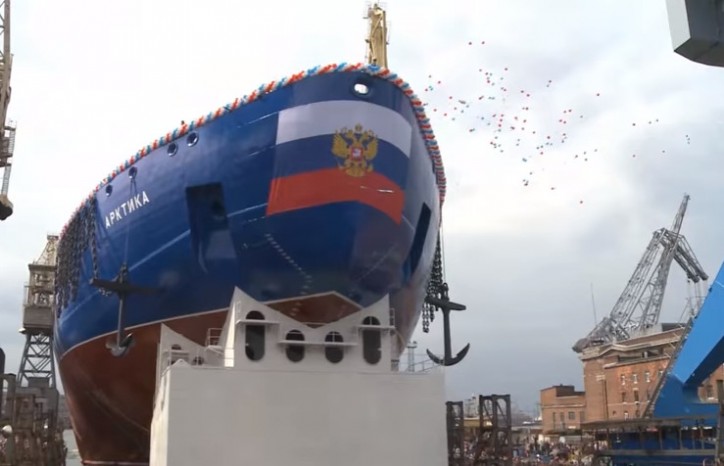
x=7 y=137
x=37 y=365
x=639 y=306
x=377 y=36
x=36 y=430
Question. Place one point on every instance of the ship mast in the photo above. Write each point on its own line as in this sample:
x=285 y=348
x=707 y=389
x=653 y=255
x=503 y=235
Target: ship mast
x=377 y=37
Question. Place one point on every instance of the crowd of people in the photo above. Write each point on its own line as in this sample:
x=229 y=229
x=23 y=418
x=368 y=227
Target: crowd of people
x=531 y=453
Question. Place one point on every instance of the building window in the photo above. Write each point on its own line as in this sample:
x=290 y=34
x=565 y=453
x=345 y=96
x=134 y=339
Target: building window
x=661 y=373
x=636 y=396
x=371 y=341
x=554 y=418
x=623 y=379
x=255 y=337
x=571 y=416
x=334 y=354
x=710 y=391
x=635 y=378
x=647 y=376
x=295 y=353
x=625 y=414
x=648 y=395
x=623 y=397
x=581 y=416
x=637 y=414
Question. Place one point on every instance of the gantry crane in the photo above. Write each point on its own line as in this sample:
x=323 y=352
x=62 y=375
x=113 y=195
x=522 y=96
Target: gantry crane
x=639 y=306
x=7 y=137
x=377 y=37
x=678 y=425
x=32 y=397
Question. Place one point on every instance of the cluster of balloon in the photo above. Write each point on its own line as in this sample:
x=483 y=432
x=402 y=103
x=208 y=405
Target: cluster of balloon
x=517 y=117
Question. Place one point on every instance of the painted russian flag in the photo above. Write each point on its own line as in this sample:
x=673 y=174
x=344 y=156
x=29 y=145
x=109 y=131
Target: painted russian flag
x=340 y=151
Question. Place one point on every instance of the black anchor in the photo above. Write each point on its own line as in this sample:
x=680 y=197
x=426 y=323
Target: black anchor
x=445 y=305
x=121 y=287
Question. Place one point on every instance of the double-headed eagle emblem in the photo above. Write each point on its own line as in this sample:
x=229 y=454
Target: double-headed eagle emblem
x=357 y=148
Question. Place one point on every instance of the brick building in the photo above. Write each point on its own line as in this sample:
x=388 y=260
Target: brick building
x=619 y=379
x=562 y=409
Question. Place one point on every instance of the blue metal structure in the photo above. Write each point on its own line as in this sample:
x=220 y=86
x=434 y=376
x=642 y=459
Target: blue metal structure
x=699 y=355
x=683 y=429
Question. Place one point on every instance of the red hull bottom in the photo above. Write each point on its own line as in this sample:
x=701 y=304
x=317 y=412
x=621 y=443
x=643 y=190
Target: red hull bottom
x=112 y=406
x=111 y=399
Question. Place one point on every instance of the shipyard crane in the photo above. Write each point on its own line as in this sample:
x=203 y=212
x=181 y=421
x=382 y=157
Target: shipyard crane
x=31 y=412
x=676 y=428
x=7 y=137
x=377 y=36
x=639 y=306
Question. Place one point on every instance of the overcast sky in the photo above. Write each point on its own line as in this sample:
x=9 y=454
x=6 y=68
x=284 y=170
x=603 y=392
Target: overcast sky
x=95 y=81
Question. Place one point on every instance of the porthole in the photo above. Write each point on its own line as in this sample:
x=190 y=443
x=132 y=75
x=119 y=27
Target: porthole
x=172 y=149
x=192 y=139
x=255 y=337
x=361 y=89
x=132 y=172
x=334 y=354
x=295 y=353
x=109 y=189
x=371 y=341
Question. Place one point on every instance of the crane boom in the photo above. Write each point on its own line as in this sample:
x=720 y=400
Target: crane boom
x=644 y=292
x=377 y=37
x=652 y=308
x=7 y=133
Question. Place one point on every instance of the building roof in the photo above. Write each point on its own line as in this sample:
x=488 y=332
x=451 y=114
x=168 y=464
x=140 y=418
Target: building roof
x=564 y=390
x=671 y=333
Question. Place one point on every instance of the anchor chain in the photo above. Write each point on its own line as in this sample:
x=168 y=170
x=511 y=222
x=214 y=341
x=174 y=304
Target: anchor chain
x=438 y=299
x=435 y=288
x=70 y=252
x=92 y=228
x=79 y=235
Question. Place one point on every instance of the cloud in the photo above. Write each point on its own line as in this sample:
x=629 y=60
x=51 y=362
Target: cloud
x=95 y=81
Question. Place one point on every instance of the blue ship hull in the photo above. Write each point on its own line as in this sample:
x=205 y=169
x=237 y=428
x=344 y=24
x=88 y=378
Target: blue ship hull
x=310 y=196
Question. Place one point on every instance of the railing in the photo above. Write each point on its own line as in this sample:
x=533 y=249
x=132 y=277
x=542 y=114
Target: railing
x=213 y=336
x=419 y=363
x=198 y=356
x=39 y=296
x=212 y=356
